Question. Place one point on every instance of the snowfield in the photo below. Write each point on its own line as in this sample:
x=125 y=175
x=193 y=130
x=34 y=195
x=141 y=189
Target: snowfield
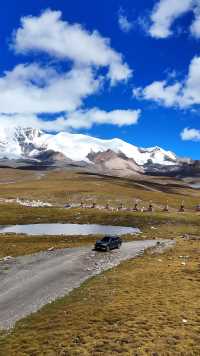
x=28 y=143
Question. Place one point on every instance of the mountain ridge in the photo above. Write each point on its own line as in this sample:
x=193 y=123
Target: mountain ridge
x=27 y=142
x=31 y=146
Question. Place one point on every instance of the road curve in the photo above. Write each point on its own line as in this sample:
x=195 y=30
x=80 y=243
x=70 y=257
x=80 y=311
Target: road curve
x=29 y=282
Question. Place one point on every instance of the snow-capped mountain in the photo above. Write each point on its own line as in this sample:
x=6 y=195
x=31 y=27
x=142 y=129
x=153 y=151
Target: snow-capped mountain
x=16 y=143
x=27 y=143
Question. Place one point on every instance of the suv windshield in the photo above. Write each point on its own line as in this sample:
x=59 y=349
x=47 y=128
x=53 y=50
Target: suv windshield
x=106 y=239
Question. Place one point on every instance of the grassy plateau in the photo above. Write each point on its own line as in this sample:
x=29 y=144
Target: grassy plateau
x=145 y=306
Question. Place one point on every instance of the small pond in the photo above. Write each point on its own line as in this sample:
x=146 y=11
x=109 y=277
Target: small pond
x=195 y=185
x=68 y=229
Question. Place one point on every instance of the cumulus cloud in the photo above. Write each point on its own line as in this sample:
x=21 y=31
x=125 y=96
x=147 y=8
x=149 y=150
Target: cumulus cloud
x=9 y=121
x=183 y=94
x=160 y=92
x=34 y=89
x=195 y=27
x=34 y=121
x=124 y=24
x=190 y=135
x=166 y=12
x=86 y=118
x=80 y=119
x=50 y=34
x=29 y=90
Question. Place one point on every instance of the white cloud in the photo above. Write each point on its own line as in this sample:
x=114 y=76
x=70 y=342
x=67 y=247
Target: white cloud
x=86 y=118
x=55 y=125
x=124 y=24
x=195 y=27
x=159 y=92
x=191 y=88
x=166 y=12
x=34 y=89
x=29 y=90
x=183 y=94
x=190 y=135
x=50 y=34
x=12 y=121
x=81 y=119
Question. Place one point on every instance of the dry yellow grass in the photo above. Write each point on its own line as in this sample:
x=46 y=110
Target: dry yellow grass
x=146 y=306
x=64 y=186
x=169 y=227
x=20 y=245
x=153 y=225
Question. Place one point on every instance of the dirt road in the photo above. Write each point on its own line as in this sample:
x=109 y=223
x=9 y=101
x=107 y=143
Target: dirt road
x=29 y=282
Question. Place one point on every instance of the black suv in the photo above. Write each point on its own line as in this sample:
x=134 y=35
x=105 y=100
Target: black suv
x=108 y=243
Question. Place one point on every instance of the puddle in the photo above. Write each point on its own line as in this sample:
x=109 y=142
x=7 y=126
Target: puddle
x=195 y=185
x=68 y=229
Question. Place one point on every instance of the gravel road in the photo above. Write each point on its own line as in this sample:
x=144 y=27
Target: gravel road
x=29 y=282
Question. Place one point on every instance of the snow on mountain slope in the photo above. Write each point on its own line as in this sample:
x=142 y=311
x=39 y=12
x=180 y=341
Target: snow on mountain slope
x=78 y=146
x=28 y=143
x=17 y=142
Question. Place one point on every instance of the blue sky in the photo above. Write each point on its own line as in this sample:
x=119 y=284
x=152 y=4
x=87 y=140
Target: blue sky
x=144 y=89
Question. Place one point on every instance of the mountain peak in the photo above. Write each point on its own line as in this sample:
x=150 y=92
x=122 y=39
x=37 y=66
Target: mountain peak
x=30 y=142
